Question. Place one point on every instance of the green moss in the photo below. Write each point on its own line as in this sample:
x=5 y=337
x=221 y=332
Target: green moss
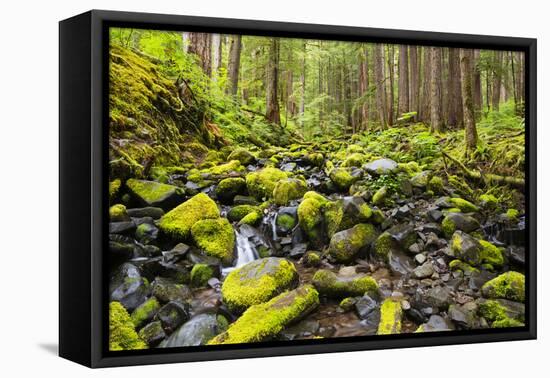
x=257 y=282
x=159 y=174
x=354 y=160
x=286 y=221
x=507 y=323
x=436 y=185
x=288 y=189
x=200 y=274
x=333 y=214
x=312 y=259
x=117 y=213
x=509 y=285
x=377 y=216
x=391 y=314
x=316 y=159
x=177 y=223
x=310 y=217
x=114 y=187
x=448 y=227
x=260 y=184
x=145 y=312
x=383 y=246
x=345 y=245
x=342 y=178
x=488 y=201
x=240 y=211
x=411 y=168
x=194 y=175
x=347 y=304
x=252 y=219
x=497 y=314
x=216 y=237
x=463 y=205
x=451 y=210
x=228 y=188
x=491 y=254
x=380 y=196
x=331 y=285
x=355 y=148
x=242 y=155
x=150 y=192
x=466 y=268
x=263 y=321
x=512 y=214
x=231 y=166
x=122 y=334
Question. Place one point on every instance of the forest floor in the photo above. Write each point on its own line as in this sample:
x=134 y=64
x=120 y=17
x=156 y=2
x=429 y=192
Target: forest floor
x=218 y=238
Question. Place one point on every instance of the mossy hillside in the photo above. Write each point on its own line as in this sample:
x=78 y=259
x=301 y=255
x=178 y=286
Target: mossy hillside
x=509 y=285
x=263 y=321
x=216 y=238
x=177 y=223
x=391 y=315
x=334 y=286
x=258 y=282
x=260 y=184
x=122 y=333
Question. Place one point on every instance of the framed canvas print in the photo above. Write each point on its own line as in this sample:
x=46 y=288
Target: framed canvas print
x=233 y=188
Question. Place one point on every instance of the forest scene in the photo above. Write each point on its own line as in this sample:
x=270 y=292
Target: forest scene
x=278 y=189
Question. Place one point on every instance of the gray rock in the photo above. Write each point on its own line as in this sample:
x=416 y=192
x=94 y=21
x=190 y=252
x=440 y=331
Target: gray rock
x=146 y=233
x=423 y=271
x=152 y=333
x=128 y=287
x=197 y=331
x=172 y=315
x=125 y=227
x=439 y=297
x=141 y=212
x=437 y=323
x=420 y=258
x=380 y=167
x=368 y=310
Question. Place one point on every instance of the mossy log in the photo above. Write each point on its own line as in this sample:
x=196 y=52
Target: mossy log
x=488 y=178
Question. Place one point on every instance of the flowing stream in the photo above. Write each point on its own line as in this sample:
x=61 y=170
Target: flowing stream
x=246 y=252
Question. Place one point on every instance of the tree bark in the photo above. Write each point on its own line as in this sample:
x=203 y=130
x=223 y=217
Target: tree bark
x=470 y=131
x=272 y=101
x=425 y=108
x=200 y=44
x=364 y=87
x=233 y=65
x=436 y=104
x=380 y=85
x=391 y=89
x=216 y=55
x=497 y=79
x=414 y=74
x=403 y=105
x=303 y=88
x=454 y=97
x=478 y=97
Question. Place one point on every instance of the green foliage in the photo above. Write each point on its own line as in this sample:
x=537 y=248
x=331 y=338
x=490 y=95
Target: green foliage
x=122 y=334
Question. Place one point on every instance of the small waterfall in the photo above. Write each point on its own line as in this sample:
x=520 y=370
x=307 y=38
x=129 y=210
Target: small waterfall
x=246 y=253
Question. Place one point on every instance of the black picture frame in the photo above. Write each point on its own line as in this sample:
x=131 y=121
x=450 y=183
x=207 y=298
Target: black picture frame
x=83 y=180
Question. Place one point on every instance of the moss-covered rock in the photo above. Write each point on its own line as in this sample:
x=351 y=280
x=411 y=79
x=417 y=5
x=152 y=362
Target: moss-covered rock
x=238 y=212
x=347 y=304
x=316 y=159
x=285 y=222
x=420 y=180
x=502 y=313
x=346 y=245
x=117 y=213
x=491 y=254
x=216 y=238
x=152 y=193
x=512 y=215
x=509 y=285
x=463 y=205
x=177 y=223
x=458 y=221
x=223 y=169
x=312 y=258
x=114 y=187
x=466 y=248
x=228 y=188
x=257 y=282
x=252 y=219
x=311 y=217
x=391 y=315
x=263 y=321
x=466 y=268
x=336 y=286
x=242 y=155
x=383 y=246
x=436 y=185
x=342 y=178
x=145 y=312
x=287 y=190
x=200 y=274
x=260 y=184
x=380 y=196
x=488 y=201
x=354 y=160
x=355 y=211
x=122 y=333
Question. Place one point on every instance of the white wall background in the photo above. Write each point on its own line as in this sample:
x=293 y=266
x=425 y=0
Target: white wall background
x=29 y=186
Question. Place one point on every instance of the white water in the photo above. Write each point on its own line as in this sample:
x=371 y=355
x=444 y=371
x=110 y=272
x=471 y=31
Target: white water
x=245 y=253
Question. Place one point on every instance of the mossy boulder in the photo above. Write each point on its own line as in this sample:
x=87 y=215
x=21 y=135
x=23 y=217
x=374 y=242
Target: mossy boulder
x=230 y=187
x=257 y=282
x=197 y=331
x=223 y=169
x=502 y=313
x=464 y=205
x=458 y=221
x=346 y=245
x=391 y=315
x=509 y=285
x=260 y=184
x=117 y=213
x=242 y=155
x=465 y=268
x=316 y=159
x=114 y=187
x=383 y=246
x=152 y=193
x=488 y=201
x=252 y=219
x=285 y=222
x=145 y=312
x=312 y=219
x=380 y=196
x=475 y=252
x=354 y=160
x=355 y=211
x=436 y=185
x=420 y=180
x=216 y=238
x=337 y=286
x=312 y=258
x=287 y=190
x=177 y=223
x=342 y=178
x=491 y=254
x=122 y=333
x=200 y=274
x=238 y=212
x=264 y=321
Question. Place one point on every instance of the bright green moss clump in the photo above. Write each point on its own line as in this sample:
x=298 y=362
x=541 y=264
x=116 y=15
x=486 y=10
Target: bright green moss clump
x=507 y=323
x=122 y=334
x=228 y=188
x=448 y=226
x=463 y=205
x=252 y=219
x=257 y=282
x=436 y=185
x=114 y=187
x=285 y=221
x=342 y=178
x=177 y=223
x=231 y=166
x=316 y=159
x=260 y=184
x=263 y=321
x=242 y=155
x=380 y=196
x=383 y=245
x=488 y=201
x=466 y=268
x=334 y=286
x=151 y=193
x=310 y=216
x=287 y=190
x=391 y=314
x=512 y=214
x=240 y=211
x=354 y=160
x=509 y=285
x=117 y=213
x=496 y=313
x=345 y=245
x=145 y=312
x=216 y=237
x=200 y=274
x=491 y=254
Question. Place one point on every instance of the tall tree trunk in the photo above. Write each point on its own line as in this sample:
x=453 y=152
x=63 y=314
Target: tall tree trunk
x=272 y=101
x=436 y=104
x=200 y=44
x=403 y=106
x=425 y=108
x=497 y=79
x=470 y=132
x=216 y=55
x=391 y=90
x=233 y=65
x=303 y=87
x=414 y=96
x=454 y=96
x=478 y=97
x=364 y=87
x=380 y=84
